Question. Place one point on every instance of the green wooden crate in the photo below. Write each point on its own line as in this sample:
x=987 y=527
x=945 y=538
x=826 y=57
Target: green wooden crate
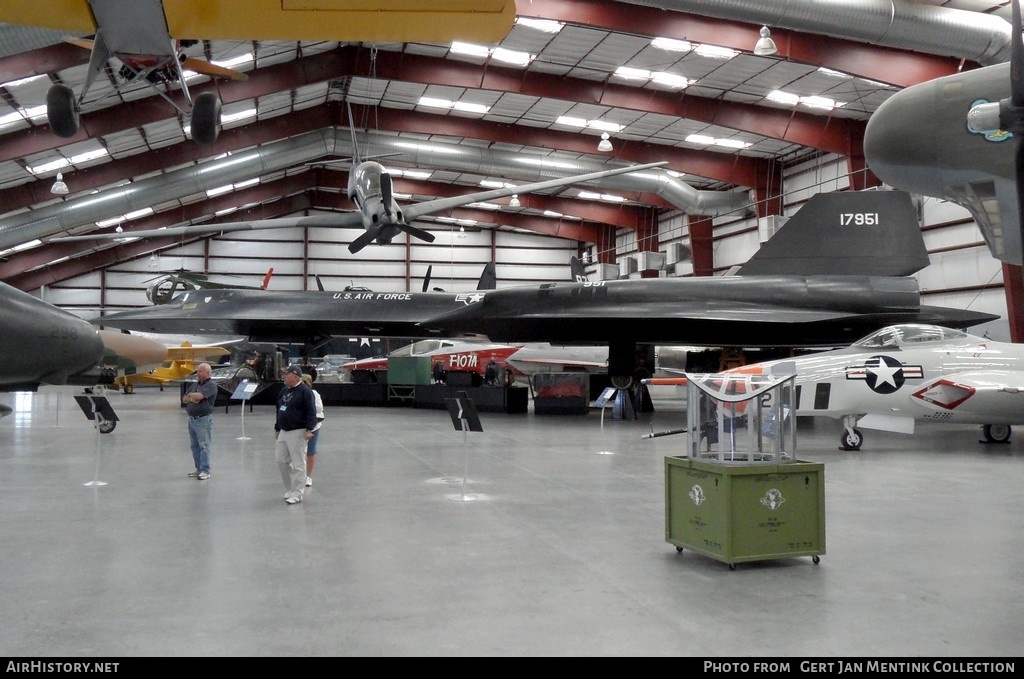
x=745 y=512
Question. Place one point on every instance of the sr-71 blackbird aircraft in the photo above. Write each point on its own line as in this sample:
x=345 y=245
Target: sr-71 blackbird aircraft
x=904 y=373
x=148 y=37
x=837 y=270
x=959 y=138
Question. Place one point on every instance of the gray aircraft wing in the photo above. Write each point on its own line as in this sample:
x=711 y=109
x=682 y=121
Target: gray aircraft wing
x=336 y=220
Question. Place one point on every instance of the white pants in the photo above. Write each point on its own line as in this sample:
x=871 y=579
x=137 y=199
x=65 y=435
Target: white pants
x=290 y=453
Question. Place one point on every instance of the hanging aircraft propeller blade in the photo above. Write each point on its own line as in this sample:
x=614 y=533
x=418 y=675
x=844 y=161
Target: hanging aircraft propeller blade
x=387 y=192
x=211 y=69
x=364 y=239
x=417 y=232
x=426 y=279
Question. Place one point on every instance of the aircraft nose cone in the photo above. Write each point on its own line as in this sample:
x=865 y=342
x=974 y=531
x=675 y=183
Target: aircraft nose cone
x=897 y=149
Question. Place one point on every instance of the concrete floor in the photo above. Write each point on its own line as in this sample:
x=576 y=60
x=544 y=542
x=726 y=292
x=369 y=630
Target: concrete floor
x=562 y=553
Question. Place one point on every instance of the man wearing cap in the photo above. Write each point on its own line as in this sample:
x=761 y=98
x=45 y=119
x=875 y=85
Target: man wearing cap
x=296 y=420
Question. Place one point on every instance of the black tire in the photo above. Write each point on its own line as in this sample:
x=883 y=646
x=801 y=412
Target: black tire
x=206 y=119
x=996 y=433
x=62 y=111
x=107 y=426
x=851 y=440
x=129 y=388
x=621 y=381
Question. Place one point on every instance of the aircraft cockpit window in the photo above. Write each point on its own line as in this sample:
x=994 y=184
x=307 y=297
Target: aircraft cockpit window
x=883 y=339
x=917 y=334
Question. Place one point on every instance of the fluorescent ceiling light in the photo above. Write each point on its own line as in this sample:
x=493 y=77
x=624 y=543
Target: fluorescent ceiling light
x=434 y=102
x=715 y=52
x=632 y=73
x=604 y=126
x=247 y=182
x=470 y=49
x=225 y=211
x=135 y=214
x=711 y=141
x=240 y=115
x=210 y=193
x=672 y=45
x=819 y=102
x=412 y=174
x=552 y=213
x=783 y=98
x=543 y=25
x=569 y=120
x=234 y=61
x=89 y=155
x=23 y=81
x=669 y=79
x=103 y=223
x=11 y=118
x=833 y=73
x=34 y=112
x=485 y=206
x=470 y=108
x=514 y=57
x=23 y=246
x=493 y=184
x=50 y=166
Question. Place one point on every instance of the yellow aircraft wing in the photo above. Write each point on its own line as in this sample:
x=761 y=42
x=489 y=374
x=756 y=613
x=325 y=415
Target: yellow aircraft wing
x=189 y=353
x=436 y=21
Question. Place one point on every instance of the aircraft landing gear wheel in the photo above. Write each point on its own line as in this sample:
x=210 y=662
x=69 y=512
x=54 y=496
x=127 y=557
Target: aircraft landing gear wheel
x=206 y=119
x=62 y=111
x=851 y=439
x=679 y=549
x=107 y=426
x=996 y=433
x=129 y=388
x=815 y=560
x=622 y=381
x=732 y=566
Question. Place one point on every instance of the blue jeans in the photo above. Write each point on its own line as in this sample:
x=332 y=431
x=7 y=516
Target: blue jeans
x=200 y=434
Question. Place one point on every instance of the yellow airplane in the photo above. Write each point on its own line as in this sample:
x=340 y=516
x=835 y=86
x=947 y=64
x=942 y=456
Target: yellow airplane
x=148 y=38
x=180 y=363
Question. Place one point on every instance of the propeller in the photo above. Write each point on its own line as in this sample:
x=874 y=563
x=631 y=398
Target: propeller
x=1008 y=114
x=426 y=279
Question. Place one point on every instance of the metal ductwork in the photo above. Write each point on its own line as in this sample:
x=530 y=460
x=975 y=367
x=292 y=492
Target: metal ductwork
x=900 y=24
x=178 y=184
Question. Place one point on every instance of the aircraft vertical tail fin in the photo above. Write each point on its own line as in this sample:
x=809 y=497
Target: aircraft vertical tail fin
x=266 y=279
x=865 y=233
x=577 y=270
x=488 y=278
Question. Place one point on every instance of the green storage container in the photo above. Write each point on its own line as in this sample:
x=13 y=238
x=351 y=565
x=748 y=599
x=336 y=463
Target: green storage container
x=745 y=512
x=409 y=370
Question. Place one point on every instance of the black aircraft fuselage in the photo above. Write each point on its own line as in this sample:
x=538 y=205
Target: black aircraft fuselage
x=744 y=311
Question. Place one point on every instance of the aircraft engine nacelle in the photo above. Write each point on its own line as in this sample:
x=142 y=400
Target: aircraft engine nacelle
x=982 y=397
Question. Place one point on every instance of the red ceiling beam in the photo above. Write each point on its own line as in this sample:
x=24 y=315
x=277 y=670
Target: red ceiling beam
x=792 y=126
x=883 y=64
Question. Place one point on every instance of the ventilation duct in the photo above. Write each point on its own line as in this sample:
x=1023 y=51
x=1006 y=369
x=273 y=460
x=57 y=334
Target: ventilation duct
x=311 y=146
x=918 y=27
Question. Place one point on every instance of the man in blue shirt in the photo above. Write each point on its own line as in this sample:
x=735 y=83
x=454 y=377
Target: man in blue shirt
x=199 y=399
x=296 y=420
